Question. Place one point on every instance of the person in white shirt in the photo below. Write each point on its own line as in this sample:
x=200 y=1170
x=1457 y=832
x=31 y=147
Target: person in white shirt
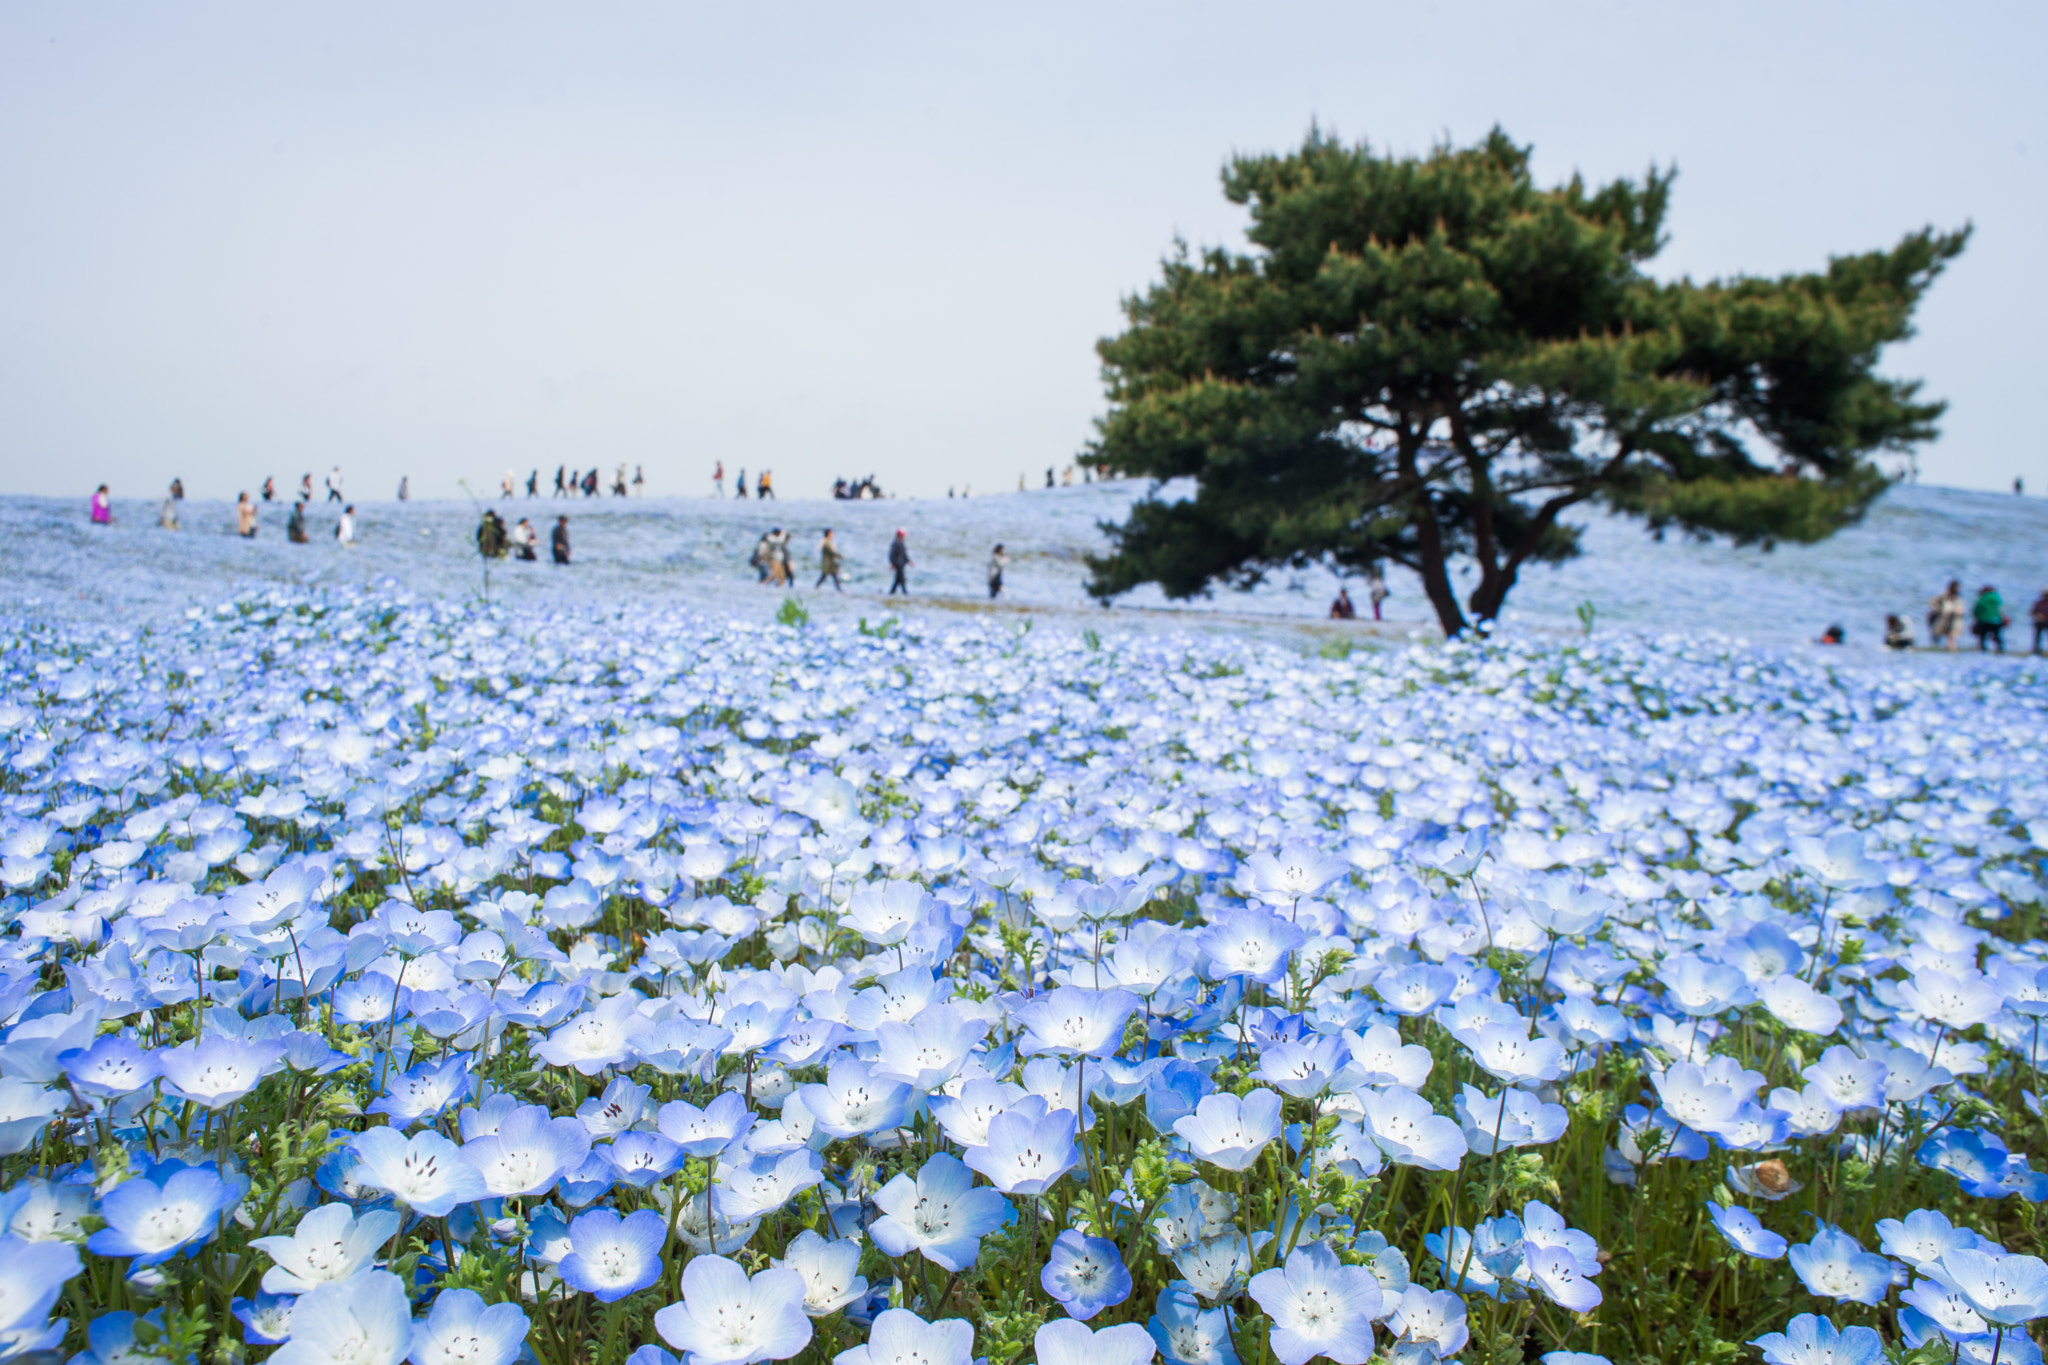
x=345 y=529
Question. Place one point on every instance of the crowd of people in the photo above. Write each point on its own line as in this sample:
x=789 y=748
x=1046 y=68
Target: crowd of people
x=1947 y=613
x=495 y=540
x=570 y=482
x=774 y=565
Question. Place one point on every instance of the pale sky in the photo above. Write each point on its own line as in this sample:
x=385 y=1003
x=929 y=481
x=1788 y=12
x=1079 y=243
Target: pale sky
x=440 y=240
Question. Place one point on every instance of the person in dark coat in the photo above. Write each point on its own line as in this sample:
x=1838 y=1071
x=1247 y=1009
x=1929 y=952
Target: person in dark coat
x=561 y=540
x=899 y=560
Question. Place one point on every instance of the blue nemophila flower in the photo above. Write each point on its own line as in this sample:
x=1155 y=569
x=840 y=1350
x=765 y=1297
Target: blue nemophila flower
x=1558 y=1260
x=330 y=1243
x=461 y=1329
x=32 y=1279
x=1834 y=1265
x=266 y=1319
x=941 y=1214
x=1797 y=1005
x=1298 y=871
x=1743 y=1232
x=901 y=1337
x=1512 y=1119
x=1085 y=1274
x=1852 y=1082
x=153 y=1220
x=1230 y=1132
x=1187 y=1333
x=597 y=1038
x=708 y=1131
x=365 y=1320
x=2005 y=1290
x=1070 y=1021
x=1944 y=1308
x=1924 y=1236
x=1983 y=1164
x=1697 y=987
x=1410 y=1132
x=853 y=1101
x=1028 y=1148
x=642 y=1159
x=762 y=1184
x=929 y=1050
x=725 y=1318
x=1303 y=1068
x=1511 y=1056
x=1064 y=1341
x=1319 y=1307
x=110 y=1338
x=112 y=1067
x=611 y=1256
x=425 y=1091
x=1172 y=1091
x=1811 y=1340
x=829 y=1270
x=215 y=1071
x=1435 y=1320
x=622 y=1105
x=425 y=1172
x=1215 y=1267
x=528 y=1153
x=1251 y=942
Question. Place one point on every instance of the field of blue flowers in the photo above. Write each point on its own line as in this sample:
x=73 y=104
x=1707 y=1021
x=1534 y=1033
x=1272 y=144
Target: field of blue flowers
x=388 y=977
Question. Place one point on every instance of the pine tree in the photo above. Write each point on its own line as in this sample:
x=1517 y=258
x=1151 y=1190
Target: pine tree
x=1431 y=357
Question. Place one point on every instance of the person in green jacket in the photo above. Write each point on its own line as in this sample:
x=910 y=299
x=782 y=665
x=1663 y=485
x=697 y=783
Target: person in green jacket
x=1988 y=612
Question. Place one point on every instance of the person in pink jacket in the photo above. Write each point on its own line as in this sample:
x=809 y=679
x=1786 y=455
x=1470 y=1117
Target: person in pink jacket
x=102 y=507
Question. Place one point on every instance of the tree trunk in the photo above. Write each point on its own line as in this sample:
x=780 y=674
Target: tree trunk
x=1435 y=572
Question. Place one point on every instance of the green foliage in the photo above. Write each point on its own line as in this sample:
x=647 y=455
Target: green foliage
x=1428 y=357
x=792 y=613
x=1587 y=613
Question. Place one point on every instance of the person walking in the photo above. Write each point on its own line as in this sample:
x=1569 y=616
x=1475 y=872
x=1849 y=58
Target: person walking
x=2038 y=614
x=524 y=540
x=561 y=540
x=829 y=560
x=295 y=524
x=763 y=558
x=1945 y=617
x=899 y=560
x=507 y=484
x=177 y=490
x=533 y=484
x=102 y=507
x=404 y=487
x=345 y=529
x=269 y=489
x=739 y=485
x=1376 y=589
x=718 y=476
x=997 y=562
x=167 y=515
x=245 y=517
x=764 y=487
x=560 y=470
x=639 y=482
x=334 y=484
x=785 y=571
x=491 y=539
x=619 y=481
x=1987 y=616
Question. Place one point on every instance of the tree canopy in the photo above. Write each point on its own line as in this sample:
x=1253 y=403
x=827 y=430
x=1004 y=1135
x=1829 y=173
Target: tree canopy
x=1427 y=357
